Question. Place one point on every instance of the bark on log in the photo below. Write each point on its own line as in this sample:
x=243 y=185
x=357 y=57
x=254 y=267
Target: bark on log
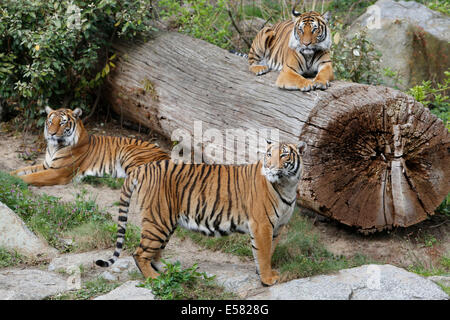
x=376 y=157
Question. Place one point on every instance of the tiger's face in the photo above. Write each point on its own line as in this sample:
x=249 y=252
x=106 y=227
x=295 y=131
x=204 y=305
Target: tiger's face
x=310 y=33
x=60 y=126
x=283 y=160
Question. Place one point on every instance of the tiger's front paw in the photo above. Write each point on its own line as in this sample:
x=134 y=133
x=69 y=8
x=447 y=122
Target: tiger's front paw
x=305 y=85
x=259 y=70
x=270 y=280
x=321 y=84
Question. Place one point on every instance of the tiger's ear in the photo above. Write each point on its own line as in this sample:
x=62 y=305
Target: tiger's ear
x=77 y=112
x=301 y=147
x=326 y=16
x=48 y=109
x=269 y=142
x=295 y=13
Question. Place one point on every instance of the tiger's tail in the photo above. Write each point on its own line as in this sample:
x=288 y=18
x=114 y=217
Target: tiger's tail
x=125 y=196
x=240 y=54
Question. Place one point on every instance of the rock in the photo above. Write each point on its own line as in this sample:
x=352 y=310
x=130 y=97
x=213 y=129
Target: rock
x=85 y=259
x=368 y=282
x=15 y=235
x=29 y=284
x=124 y=263
x=234 y=278
x=116 y=270
x=128 y=291
x=108 y=276
x=413 y=39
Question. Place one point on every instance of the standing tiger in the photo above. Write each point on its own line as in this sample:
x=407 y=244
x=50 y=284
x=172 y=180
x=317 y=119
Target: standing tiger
x=299 y=48
x=216 y=200
x=71 y=152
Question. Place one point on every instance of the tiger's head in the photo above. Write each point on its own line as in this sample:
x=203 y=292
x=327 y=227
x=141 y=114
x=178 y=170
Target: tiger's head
x=310 y=33
x=62 y=127
x=283 y=160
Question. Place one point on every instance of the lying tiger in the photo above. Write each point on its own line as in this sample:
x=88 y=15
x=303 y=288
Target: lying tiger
x=216 y=200
x=300 y=48
x=72 y=152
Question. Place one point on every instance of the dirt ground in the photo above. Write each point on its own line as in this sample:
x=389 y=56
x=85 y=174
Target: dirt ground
x=423 y=244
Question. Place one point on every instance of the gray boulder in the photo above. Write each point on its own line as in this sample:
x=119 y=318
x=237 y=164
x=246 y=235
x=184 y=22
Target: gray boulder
x=413 y=39
x=128 y=291
x=16 y=236
x=368 y=282
x=29 y=284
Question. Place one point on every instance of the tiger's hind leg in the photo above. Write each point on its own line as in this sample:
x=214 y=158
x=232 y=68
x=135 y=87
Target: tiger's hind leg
x=154 y=238
x=48 y=177
x=27 y=170
x=257 y=53
x=156 y=263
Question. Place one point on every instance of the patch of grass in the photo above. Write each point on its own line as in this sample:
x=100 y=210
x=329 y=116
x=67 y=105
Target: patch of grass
x=348 y=10
x=444 y=288
x=237 y=244
x=441 y=269
x=54 y=220
x=429 y=240
x=100 y=235
x=107 y=180
x=300 y=252
x=176 y=283
x=202 y=19
x=10 y=258
x=90 y=290
x=90 y=235
x=442 y=6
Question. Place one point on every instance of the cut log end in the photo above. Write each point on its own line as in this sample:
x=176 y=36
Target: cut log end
x=379 y=164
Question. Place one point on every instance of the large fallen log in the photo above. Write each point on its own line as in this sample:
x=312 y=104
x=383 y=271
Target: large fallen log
x=376 y=157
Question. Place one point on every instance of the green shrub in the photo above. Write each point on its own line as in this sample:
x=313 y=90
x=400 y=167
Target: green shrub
x=10 y=258
x=435 y=97
x=354 y=59
x=56 y=53
x=236 y=244
x=444 y=207
x=107 y=180
x=176 y=283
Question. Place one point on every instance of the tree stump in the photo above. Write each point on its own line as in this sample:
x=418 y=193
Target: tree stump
x=376 y=158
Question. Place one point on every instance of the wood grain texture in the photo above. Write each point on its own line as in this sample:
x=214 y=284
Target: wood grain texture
x=376 y=158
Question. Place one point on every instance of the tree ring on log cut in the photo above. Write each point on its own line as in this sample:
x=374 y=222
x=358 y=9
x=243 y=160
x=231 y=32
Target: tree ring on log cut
x=381 y=164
